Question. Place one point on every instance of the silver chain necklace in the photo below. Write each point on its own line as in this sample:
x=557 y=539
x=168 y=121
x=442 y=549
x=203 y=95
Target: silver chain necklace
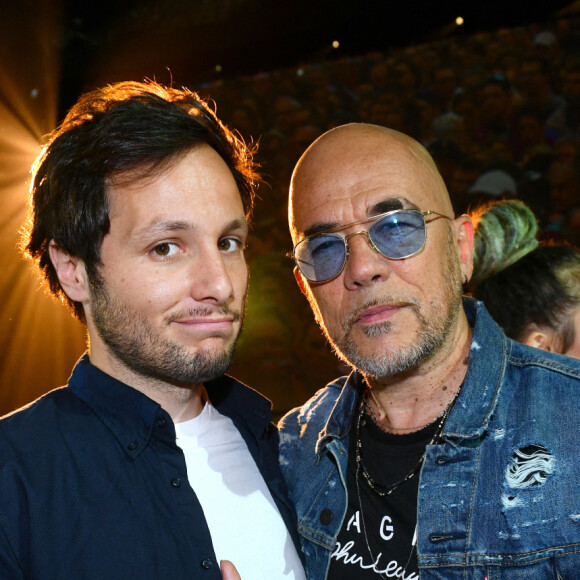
x=360 y=468
x=359 y=460
x=364 y=527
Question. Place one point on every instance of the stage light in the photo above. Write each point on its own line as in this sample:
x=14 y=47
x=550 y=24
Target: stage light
x=459 y=20
x=39 y=340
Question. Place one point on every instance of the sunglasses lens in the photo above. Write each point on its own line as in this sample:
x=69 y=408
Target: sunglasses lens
x=400 y=234
x=321 y=258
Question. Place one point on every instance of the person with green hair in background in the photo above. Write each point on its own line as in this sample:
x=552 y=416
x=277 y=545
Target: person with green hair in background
x=531 y=289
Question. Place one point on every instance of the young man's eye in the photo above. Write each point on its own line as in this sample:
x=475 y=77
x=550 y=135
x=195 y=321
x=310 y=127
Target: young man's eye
x=230 y=245
x=165 y=250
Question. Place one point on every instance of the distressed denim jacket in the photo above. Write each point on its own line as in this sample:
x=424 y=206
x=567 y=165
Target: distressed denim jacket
x=499 y=496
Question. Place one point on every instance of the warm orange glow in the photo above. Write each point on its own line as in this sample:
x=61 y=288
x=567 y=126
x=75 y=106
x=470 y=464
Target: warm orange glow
x=39 y=341
x=459 y=21
x=335 y=44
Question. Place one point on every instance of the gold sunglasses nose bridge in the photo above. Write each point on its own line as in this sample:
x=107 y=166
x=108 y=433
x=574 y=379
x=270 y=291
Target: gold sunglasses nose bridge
x=363 y=232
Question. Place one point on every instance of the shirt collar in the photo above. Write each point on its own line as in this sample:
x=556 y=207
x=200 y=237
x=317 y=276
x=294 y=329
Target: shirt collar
x=240 y=403
x=129 y=414
x=132 y=417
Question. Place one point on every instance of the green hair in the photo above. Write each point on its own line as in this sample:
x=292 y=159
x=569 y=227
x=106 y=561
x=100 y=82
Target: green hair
x=505 y=232
x=521 y=282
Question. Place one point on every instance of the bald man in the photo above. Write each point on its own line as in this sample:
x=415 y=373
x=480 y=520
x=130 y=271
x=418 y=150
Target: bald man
x=450 y=451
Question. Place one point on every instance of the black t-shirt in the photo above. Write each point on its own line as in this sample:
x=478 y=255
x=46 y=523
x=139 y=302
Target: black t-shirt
x=389 y=521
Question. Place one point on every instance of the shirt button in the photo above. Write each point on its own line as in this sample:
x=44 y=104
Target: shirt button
x=326 y=516
x=161 y=422
x=176 y=482
x=206 y=563
x=132 y=445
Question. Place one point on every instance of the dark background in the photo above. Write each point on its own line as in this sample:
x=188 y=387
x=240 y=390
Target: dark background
x=186 y=39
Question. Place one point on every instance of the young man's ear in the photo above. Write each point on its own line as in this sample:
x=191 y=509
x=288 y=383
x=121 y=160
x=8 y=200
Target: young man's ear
x=71 y=273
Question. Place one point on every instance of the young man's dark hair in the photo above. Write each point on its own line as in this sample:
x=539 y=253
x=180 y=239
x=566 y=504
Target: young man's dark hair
x=121 y=133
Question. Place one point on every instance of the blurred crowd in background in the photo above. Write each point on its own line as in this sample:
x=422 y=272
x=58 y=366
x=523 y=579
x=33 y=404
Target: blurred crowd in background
x=499 y=112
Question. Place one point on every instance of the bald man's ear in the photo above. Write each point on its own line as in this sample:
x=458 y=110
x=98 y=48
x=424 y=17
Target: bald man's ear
x=71 y=273
x=305 y=288
x=464 y=232
x=301 y=281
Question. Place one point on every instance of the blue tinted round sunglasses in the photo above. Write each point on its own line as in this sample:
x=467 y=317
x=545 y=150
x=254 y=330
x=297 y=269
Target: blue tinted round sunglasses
x=396 y=235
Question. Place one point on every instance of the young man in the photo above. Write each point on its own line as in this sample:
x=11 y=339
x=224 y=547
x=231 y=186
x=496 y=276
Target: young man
x=450 y=451
x=150 y=463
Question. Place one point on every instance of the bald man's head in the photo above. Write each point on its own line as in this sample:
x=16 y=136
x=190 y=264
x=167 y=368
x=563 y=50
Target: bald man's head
x=384 y=285
x=350 y=150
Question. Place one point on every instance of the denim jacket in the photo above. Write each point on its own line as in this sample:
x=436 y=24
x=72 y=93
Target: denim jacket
x=499 y=496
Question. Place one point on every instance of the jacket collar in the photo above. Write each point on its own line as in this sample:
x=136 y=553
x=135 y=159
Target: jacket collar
x=488 y=355
x=341 y=416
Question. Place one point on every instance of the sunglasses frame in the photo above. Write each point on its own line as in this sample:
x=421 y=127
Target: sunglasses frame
x=372 y=219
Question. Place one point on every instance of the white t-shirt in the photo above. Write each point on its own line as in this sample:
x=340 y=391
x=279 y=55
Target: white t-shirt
x=245 y=524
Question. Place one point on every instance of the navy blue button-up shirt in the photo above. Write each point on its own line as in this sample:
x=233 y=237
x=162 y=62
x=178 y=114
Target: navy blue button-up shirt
x=93 y=485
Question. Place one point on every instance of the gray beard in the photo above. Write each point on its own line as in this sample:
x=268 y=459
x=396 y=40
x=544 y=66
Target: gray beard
x=429 y=340
x=431 y=335
x=139 y=347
